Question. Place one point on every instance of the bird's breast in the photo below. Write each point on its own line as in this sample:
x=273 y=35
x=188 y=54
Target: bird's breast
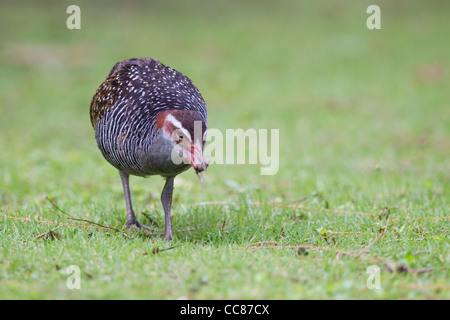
x=162 y=157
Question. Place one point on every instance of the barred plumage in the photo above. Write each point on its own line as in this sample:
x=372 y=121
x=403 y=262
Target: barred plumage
x=125 y=106
x=130 y=114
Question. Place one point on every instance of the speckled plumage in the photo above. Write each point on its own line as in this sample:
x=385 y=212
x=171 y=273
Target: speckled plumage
x=124 y=111
x=143 y=112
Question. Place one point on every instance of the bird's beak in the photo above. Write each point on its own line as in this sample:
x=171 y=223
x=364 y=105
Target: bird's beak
x=195 y=157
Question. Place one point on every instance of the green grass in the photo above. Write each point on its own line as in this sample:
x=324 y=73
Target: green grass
x=364 y=126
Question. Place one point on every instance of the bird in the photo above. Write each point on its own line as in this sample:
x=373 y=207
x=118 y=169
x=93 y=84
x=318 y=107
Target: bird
x=150 y=119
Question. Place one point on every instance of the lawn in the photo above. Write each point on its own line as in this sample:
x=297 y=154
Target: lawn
x=363 y=181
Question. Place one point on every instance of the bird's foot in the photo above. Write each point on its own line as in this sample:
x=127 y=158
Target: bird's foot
x=134 y=223
x=168 y=235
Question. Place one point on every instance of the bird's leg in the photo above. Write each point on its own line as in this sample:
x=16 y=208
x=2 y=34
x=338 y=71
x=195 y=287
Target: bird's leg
x=131 y=217
x=166 y=199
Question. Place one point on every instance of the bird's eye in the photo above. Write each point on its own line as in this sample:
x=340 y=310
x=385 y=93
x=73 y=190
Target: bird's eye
x=178 y=136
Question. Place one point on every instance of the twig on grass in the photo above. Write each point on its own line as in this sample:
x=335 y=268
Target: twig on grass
x=80 y=219
x=391 y=265
x=380 y=236
x=147 y=234
x=53 y=222
x=263 y=243
x=396 y=267
x=223 y=227
x=52 y=235
x=158 y=250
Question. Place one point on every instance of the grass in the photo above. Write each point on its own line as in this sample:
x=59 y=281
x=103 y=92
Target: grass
x=364 y=149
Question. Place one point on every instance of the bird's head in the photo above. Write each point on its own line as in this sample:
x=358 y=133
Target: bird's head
x=186 y=129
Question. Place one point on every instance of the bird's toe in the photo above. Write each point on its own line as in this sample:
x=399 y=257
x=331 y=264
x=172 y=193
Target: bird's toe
x=137 y=225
